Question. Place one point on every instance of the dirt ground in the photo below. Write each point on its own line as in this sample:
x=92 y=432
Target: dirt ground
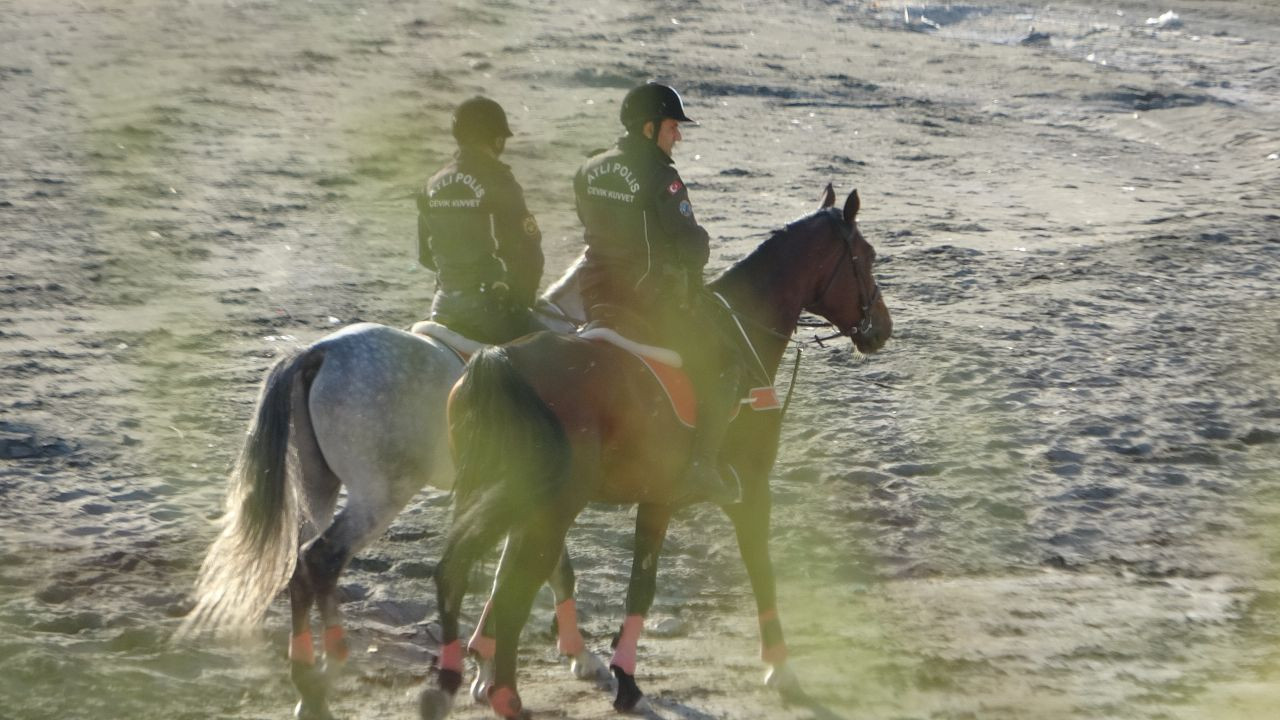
x=1053 y=495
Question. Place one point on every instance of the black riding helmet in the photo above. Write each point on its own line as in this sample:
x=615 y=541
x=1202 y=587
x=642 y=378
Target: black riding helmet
x=480 y=119
x=651 y=102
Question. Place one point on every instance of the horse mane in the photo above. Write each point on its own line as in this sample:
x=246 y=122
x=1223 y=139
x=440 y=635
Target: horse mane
x=766 y=251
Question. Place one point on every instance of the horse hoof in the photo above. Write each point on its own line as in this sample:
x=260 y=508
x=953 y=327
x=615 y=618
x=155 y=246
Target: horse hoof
x=506 y=703
x=304 y=711
x=629 y=697
x=434 y=704
x=586 y=665
x=312 y=687
x=782 y=679
x=484 y=680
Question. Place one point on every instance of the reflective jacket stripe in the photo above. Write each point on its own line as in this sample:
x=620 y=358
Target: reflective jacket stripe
x=648 y=249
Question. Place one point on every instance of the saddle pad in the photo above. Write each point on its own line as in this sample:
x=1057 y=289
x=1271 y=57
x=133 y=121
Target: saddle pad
x=675 y=383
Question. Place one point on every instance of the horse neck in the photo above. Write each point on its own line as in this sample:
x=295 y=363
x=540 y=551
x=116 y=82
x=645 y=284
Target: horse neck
x=768 y=289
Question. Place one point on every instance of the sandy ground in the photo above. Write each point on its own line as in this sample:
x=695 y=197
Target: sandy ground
x=1052 y=496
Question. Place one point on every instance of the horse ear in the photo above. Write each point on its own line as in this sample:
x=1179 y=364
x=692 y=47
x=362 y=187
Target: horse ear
x=828 y=197
x=851 y=206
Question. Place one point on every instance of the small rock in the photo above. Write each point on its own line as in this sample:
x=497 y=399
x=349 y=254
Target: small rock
x=1167 y=21
x=15 y=446
x=668 y=627
x=1258 y=436
x=352 y=592
x=370 y=564
x=415 y=569
x=1035 y=38
x=55 y=594
x=1067 y=470
x=916 y=469
x=1063 y=456
x=71 y=624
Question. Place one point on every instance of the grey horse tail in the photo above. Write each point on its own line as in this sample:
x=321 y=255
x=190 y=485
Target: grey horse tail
x=254 y=556
x=511 y=451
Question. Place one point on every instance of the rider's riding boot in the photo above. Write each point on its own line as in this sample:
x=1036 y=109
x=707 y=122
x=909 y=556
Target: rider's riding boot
x=703 y=480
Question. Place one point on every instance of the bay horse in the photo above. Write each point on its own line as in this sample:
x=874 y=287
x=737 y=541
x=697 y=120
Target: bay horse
x=548 y=423
x=363 y=408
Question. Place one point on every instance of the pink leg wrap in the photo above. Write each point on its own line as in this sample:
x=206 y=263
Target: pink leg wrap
x=302 y=649
x=775 y=655
x=505 y=702
x=451 y=656
x=335 y=644
x=480 y=644
x=624 y=656
x=570 y=641
x=772 y=654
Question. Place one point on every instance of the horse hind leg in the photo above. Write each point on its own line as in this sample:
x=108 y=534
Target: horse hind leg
x=529 y=566
x=310 y=679
x=310 y=584
x=584 y=664
x=481 y=645
x=462 y=551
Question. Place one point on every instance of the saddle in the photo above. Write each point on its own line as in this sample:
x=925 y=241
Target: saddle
x=665 y=365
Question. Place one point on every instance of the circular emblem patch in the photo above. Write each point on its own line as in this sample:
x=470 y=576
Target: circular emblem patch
x=685 y=209
x=674 y=187
x=530 y=225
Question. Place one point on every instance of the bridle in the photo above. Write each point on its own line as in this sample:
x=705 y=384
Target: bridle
x=866 y=325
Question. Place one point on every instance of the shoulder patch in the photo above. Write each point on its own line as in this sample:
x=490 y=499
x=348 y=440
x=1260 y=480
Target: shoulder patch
x=530 y=225
x=674 y=187
x=685 y=208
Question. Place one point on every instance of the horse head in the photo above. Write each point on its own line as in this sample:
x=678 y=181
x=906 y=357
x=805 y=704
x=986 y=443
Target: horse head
x=846 y=292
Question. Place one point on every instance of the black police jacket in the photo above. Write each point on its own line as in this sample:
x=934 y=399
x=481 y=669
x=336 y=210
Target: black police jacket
x=636 y=213
x=474 y=229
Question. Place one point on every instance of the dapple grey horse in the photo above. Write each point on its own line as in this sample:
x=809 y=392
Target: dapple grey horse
x=362 y=409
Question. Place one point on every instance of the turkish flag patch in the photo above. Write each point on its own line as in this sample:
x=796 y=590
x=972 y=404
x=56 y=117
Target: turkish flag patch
x=674 y=187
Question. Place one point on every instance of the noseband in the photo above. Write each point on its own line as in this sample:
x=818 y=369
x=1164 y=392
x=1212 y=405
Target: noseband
x=865 y=326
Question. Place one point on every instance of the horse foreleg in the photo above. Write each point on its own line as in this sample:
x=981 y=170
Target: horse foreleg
x=751 y=524
x=451 y=576
x=651 y=530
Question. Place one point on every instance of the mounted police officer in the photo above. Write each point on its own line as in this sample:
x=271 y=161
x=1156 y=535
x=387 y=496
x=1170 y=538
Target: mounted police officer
x=475 y=232
x=645 y=256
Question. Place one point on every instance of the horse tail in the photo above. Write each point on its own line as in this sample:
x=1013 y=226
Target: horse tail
x=511 y=451
x=253 y=558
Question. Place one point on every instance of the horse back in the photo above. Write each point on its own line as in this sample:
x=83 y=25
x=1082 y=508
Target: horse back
x=627 y=443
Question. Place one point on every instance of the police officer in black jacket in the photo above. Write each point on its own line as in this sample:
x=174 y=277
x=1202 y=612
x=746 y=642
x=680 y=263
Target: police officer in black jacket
x=475 y=232
x=645 y=255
